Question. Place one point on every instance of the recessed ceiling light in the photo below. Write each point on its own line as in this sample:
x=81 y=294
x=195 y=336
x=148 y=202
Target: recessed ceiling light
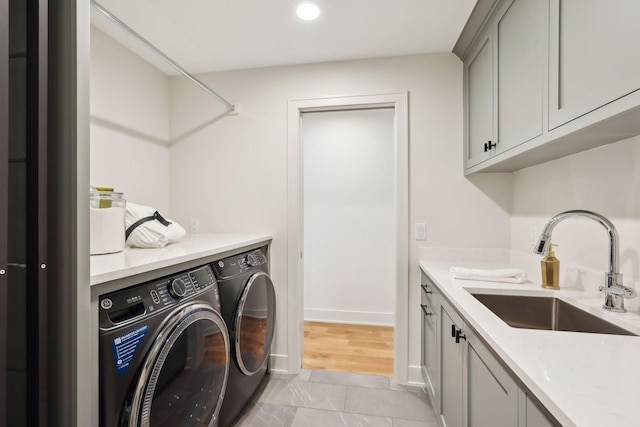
x=308 y=11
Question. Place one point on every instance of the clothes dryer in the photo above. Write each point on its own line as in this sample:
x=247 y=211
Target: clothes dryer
x=248 y=302
x=164 y=353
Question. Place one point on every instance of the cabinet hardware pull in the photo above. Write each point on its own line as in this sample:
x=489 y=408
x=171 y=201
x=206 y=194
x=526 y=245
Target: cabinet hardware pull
x=425 y=289
x=17 y=265
x=424 y=309
x=453 y=330
x=489 y=145
x=459 y=336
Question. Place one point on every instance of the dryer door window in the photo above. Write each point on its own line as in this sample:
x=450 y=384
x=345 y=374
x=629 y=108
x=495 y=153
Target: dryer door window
x=184 y=378
x=254 y=323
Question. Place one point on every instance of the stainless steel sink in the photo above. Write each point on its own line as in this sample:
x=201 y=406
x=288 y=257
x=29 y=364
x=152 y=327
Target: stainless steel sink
x=547 y=313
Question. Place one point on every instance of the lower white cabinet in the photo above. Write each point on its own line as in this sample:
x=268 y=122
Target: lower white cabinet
x=452 y=358
x=492 y=395
x=532 y=415
x=469 y=385
x=429 y=359
x=476 y=389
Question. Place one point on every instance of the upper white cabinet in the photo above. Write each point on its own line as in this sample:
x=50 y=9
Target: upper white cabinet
x=504 y=82
x=545 y=79
x=594 y=55
x=479 y=96
x=520 y=36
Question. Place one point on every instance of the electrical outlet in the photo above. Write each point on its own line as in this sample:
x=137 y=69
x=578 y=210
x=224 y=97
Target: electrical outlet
x=421 y=231
x=194 y=225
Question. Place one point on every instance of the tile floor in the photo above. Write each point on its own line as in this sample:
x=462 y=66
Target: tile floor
x=326 y=398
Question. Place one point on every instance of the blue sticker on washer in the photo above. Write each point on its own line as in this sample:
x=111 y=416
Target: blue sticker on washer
x=125 y=346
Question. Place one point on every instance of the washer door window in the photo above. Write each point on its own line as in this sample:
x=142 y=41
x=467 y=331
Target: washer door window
x=183 y=380
x=254 y=323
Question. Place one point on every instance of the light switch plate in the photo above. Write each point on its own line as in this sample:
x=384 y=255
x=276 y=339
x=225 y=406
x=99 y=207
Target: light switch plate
x=420 y=231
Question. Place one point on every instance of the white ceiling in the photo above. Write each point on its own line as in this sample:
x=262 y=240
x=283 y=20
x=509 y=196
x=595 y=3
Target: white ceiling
x=213 y=35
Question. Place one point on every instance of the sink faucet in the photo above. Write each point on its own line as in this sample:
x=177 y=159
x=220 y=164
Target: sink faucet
x=615 y=291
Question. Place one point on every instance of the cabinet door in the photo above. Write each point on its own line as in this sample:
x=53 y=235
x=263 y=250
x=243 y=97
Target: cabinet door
x=521 y=65
x=429 y=343
x=429 y=352
x=23 y=206
x=479 y=103
x=4 y=187
x=451 y=375
x=535 y=417
x=492 y=395
x=593 y=58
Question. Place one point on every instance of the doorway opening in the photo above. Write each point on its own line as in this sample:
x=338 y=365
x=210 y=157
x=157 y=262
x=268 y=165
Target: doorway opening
x=393 y=315
x=348 y=239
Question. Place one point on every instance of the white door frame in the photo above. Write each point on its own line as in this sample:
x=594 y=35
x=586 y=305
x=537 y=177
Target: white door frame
x=295 y=306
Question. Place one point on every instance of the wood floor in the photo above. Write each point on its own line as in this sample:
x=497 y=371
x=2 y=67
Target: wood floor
x=349 y=348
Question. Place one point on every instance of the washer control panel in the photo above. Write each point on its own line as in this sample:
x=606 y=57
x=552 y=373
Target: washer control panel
x=169 y=291
x=144 y=299
x=237 y=264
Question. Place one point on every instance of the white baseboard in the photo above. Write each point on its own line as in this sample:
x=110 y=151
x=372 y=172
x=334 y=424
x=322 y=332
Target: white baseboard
x=415 y=376
x=349 y=317
x=279 y=363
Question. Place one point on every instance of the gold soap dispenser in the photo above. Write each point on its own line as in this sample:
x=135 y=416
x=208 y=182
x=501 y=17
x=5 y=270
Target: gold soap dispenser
x=550 y=266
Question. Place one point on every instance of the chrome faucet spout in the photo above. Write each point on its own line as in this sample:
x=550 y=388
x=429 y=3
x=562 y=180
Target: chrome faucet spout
x=613 y=288
x=542 y=248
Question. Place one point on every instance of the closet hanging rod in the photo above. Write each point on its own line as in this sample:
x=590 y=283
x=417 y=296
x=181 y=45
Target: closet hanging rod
x=230 y=107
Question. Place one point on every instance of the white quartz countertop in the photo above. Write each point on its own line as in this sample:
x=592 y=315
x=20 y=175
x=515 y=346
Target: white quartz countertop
x=583 y=379
x=132 y=261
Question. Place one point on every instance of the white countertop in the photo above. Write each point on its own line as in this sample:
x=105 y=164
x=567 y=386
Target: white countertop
x=582 y=379
x=132 y=261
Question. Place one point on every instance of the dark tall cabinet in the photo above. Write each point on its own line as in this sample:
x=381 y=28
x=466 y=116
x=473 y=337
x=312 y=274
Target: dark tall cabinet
x=4 y=181
x=23 y=216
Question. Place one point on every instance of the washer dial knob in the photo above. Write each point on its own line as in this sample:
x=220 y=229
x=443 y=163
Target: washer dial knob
x=177 y=288
x=253 y=260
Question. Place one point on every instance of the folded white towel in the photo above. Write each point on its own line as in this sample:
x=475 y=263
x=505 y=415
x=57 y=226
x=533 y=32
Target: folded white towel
x=151 y=234
x=507 y=275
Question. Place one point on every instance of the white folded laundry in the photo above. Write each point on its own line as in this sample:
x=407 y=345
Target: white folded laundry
x=507 y=275
x=154 y=232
